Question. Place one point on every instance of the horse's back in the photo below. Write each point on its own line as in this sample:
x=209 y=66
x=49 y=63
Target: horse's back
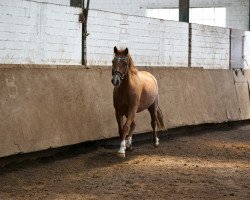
x=148 y=78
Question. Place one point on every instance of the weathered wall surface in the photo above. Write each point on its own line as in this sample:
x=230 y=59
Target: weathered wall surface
x=210 y=46
x=242 y=85
x=34 y=32
x=49 y=32
x=237 y=12
x=246 y=51
x=46 y=106
x=152 y=42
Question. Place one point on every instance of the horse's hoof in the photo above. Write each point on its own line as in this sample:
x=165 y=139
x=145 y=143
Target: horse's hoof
x=121 y=155
x=156 y=145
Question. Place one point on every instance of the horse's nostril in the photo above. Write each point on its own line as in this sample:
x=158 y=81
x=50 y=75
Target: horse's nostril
x=113 y=82
x=118 y=82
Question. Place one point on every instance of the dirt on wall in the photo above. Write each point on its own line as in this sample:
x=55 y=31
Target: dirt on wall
x=194 y=163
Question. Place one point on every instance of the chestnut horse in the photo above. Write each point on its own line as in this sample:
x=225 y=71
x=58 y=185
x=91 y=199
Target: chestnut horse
x=134 y=92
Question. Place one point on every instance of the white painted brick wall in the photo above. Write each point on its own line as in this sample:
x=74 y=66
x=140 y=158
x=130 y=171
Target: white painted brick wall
x=151 y=42
x=210 y=47
x=237 y=11
x=154 y=42
x=247 y=50
x=40 y=33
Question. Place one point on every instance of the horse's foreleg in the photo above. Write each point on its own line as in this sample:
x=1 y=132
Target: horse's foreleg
x=119 y=119
x=126 y=130
x=129 y=137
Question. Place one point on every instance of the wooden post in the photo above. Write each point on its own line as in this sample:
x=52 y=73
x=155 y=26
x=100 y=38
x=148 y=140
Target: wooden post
x=83 y=18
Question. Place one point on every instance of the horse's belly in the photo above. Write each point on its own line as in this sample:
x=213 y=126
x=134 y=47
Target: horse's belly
x=147 y=99
x=149 y=91
x=144 y=106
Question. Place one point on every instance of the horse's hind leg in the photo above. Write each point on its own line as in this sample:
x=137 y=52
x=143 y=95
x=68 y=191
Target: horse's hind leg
x=129 y=137
x=153 y=113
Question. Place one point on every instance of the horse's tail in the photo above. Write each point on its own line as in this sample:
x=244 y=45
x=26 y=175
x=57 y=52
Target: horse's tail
x=160 y=122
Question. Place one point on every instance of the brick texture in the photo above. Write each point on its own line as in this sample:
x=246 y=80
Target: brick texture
x=48 y=32
x=40 y=33
x=209 y=46
x=237 y=10
x=151 y=42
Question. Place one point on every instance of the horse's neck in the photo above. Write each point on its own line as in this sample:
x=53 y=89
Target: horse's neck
x=129 y=78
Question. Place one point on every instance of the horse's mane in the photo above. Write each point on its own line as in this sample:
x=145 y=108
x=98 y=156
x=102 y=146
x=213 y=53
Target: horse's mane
x=132 y=67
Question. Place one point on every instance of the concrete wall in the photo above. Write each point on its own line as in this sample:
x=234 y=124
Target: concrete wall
x=34 y=32
x=238 y=14
x=152 y=42
x=237 y=11
x=210 y=46
x=247 y=50
x=43 y=107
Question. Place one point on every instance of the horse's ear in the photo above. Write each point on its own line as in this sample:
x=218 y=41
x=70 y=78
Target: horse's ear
x=126 y=51
x=115 y=50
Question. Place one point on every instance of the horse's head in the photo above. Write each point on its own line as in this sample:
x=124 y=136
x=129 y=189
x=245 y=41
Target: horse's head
x=120 y=65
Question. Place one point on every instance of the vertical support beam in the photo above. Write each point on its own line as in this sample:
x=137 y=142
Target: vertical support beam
x=184 y=17
x=189 y=45
x=236 y=48
x=184 y=11
x=84 y=37
x=84 y=19
x=230 y=48
x=249 y=16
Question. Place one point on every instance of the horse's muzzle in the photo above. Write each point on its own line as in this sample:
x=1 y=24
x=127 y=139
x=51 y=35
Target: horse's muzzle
x=116 y=80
